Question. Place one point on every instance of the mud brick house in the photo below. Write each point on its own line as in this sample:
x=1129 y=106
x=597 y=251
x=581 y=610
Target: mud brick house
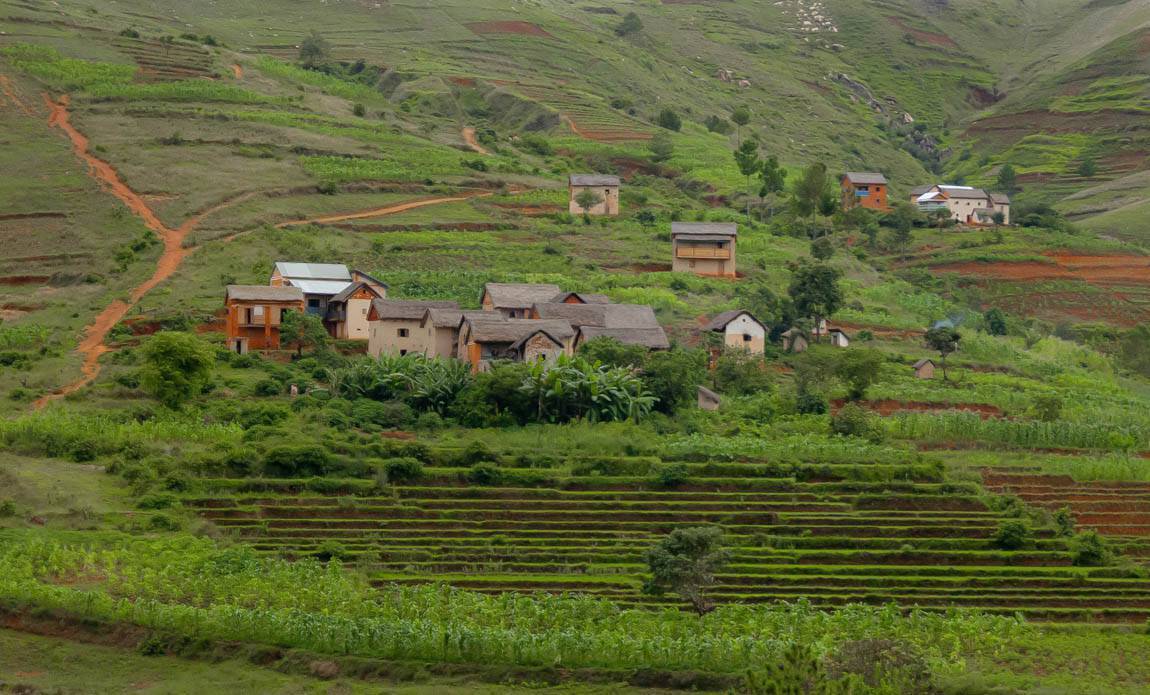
x=486 y=338
x=866 y=190
x=254 y=315
x=606 y=188
x=963 y=204
x=704 y=248
x=924 y=368
x=398 y=327
x=347 y=312
x=740 y=330
x=514 y=300
x=650 y=338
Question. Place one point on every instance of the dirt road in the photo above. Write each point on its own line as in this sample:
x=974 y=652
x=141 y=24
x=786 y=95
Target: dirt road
x=381 y=212
x=469 y=138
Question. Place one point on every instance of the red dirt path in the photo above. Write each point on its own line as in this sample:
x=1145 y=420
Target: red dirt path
x=238 y=71
x=468 y=134
x=381 y=212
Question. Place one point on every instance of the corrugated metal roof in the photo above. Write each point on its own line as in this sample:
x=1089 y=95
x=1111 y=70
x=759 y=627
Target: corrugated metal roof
x=320 y=287
x=593 y=180
x=865 y=177
x=727 y=229
x=264 y=293
x=313 y=271
x=964 y=192
x=719 y=323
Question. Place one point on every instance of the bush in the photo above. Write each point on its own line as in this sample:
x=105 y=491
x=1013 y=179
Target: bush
x=403 y=470
x=1013 y=534
x=164 y=500
x=485 y=474
x=296 y=460
x=672 y=476
x=7 y=509
x=739 y=372
x=476 y=452
x=389 y=414
x=855 y=421
x=266 y=388
x=1048 y=407
x=1091 y=550
x=669 y=119
x=331 y=550
x=807 y=403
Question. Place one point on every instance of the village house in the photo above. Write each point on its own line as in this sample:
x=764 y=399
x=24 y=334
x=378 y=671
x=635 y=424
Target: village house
x=347 y=312
x=963 y=204
x=484 y=339
x=442 y=327
x=605 y=188
x=924 y=368
x=740 y=330
x=580 y=298
x=652 y=338
x=338 y=296
x=397 y=327
x=254 y=315
x=514 y=300
x=704 y=248
x=865 y=189
x=839 y=338
x=630 y=324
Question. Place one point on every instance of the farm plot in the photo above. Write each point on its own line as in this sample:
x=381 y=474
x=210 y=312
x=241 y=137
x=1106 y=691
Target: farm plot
x=1110 y=507
x=831 y=541
x=587 y=115
x=166 y=60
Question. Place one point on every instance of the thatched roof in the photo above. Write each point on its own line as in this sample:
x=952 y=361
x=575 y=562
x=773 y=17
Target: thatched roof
x=507 y=295
x=264 y=293
x=512 y=330
x=719 y=323
x=593 y=180
x=704 y=229
x=923 y=362
x=585 y=297
x=406 y=310
x=652 y=338
x=865 y=178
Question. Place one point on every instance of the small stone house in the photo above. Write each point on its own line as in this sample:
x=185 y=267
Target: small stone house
x=708 y=399
x=839 y=338
x=704 y=248
x=254 y=315
x=866 y=190
x=486 y=338
x=795 y=340
x=740 y=330
x=924 y=368
x=601 y=185
x=514 y=300
x=397 y=326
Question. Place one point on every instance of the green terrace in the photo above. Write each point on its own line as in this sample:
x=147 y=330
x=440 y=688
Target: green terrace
x=832 y=538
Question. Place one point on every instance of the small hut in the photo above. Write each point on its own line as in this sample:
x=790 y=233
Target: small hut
x=708 y=399
x=795 y=340
x=924 y=368
x=839 y=338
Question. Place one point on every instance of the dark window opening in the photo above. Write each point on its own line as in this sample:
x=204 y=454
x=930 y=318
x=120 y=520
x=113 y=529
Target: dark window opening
x=403 y=332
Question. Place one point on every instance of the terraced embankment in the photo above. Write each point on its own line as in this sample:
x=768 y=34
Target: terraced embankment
x=827 y=539
x=1118 y=509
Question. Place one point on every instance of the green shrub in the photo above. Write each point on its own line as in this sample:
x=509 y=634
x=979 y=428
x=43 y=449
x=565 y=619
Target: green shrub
x=1013 y=534
x=296 y=460
x=855 y=421
x=403 y=470
x=265 y=388
x=476 y=452
x=1091 y=550
x=389 y=414
x=1064 y=522
x=164 y=500
x=485 y=474
x=673 y=476
x=7 y=509
x=807 y=403
x=331 y=550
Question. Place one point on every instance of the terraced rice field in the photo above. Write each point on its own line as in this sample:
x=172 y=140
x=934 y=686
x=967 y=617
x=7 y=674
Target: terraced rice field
x=1119 y=509
x=830 y=541
x=160 y=61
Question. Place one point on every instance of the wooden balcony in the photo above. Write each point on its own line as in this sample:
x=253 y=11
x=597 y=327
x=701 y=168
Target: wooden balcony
x=704 y=252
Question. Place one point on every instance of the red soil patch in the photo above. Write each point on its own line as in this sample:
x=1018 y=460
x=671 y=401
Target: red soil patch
x=32 y=216
x=469 y=139
x=1097 y=270
x=238 y=71
x=886 y=408
x=924 y=36
x=462 y=81
x=18 y=280
x=508 y=27
x=651 y=267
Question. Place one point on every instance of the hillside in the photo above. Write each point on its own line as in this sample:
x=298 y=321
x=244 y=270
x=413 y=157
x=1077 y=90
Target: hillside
x=314 y=514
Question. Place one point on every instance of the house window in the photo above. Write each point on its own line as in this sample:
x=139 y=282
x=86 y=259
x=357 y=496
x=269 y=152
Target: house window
x=747 y=338
x=403 y=332
x=402 y=353
x=313 y=303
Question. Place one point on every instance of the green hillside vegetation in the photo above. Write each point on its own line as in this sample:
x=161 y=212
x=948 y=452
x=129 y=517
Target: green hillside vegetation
x=404 y=522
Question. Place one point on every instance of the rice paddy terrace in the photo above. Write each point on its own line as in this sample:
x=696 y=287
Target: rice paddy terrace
x=818 y=533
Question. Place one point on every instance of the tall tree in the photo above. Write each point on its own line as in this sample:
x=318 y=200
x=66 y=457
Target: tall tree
x=303 y=330
x=177 y=366
x=741 y=116
x=747 y=159
x=772 y=176
x=815 y=291
x=810 y=191
x=661 y=147
x=1007 y=179
x=685 y=561
x=944 y=340
x=314 y=51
